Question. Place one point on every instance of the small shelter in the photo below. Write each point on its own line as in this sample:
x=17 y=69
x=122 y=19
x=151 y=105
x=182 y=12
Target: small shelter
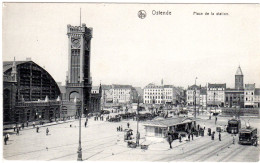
x=159 y=128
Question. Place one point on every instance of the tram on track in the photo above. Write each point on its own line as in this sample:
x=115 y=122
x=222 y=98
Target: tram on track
x=248 y=136
x=234 y=125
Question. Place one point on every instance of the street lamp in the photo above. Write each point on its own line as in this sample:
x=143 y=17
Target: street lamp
x=79 y=148
x=195 y=99
x=137 y=132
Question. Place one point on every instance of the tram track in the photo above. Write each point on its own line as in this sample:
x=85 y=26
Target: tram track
x=231 y=154
x=192 y=151
x=51 y=148
x=212 y=152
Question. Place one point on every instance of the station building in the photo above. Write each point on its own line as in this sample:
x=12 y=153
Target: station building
x=29 y=92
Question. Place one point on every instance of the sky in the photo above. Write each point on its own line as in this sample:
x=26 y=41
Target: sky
x=128 y=50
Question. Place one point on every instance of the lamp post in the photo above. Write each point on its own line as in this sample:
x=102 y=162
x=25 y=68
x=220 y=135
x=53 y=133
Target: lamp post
x=79 y=148
x=195 y=111
x=137 y=119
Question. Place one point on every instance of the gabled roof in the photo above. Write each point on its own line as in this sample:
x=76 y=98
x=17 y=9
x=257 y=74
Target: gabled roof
x=239 y=71
x=194 y=87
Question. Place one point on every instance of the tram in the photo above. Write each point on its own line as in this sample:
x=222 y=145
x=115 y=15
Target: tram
x=248 y=136
x=234 y=125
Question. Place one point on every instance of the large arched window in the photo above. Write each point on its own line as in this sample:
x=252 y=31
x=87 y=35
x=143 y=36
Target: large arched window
x=73 y=95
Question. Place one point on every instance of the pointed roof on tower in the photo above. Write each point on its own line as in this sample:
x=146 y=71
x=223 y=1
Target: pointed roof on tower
x=239 y=71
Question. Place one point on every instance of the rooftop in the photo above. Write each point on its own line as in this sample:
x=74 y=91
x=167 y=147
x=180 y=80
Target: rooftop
x=168 y=122
x=217 y=85
x=8 y=64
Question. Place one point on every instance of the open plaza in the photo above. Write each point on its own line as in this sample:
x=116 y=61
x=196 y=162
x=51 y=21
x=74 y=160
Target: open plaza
x=102 y=142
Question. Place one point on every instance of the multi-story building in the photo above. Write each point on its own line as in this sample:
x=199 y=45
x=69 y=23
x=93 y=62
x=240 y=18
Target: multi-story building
x=140 y=93
x=257 y=97
x=124 y=94
x=161 y=94
x=153 y=94
x=249 y=94
x=193 y=95
x=216 y=94
x=107 y=94
x=235 y=96
x=203 y=97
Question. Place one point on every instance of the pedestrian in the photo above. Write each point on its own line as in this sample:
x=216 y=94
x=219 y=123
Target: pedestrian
x=17 y=131
x=170 y=139
x=7 y=135
x=212 y=136
x=5 y=139
x=118 y=128
x=191 y=136
x=33 y=124
x=37 y=129
x=19 y=126
x=216 y=120
x=86 y=124
x=27 y=123
x=204 y=126
x=70 y=125
x=219 y=136
x=47 y=131
x=14 y=128
x=128 y=124
x=180 y=138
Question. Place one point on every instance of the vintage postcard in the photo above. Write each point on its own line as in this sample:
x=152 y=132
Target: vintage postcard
x=130 y=82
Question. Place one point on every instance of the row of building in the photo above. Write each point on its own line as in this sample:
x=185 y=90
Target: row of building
x=150 y=94
x=247 y=95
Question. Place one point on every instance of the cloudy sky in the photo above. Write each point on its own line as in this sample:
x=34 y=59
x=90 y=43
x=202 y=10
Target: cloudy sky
x=129 y=50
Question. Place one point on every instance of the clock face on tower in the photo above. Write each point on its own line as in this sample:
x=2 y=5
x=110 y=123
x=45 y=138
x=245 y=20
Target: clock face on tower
x=75 y=42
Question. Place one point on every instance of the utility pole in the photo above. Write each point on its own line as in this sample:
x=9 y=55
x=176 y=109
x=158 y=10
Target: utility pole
x=195 y=111
x=137 y=119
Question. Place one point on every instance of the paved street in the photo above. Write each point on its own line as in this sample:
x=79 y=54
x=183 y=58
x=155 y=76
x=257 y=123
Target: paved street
x=101 y=141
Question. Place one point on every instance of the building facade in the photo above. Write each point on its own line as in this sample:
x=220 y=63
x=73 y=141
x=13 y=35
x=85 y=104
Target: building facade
x=234 y=98
x=216 y=94
x=257 y=97
x=123 y=94
x=249 y=95
x=193 y=95
x=29 y=92
x=203 y=97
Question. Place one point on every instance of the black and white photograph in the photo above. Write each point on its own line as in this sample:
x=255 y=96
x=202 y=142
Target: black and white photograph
x=130 y=82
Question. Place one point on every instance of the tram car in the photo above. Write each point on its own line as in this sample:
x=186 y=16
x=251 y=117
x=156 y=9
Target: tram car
x=234 y=125
x=248 y=136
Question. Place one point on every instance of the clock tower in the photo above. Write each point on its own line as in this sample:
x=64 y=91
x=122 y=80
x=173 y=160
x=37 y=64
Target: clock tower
x=78 y=80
